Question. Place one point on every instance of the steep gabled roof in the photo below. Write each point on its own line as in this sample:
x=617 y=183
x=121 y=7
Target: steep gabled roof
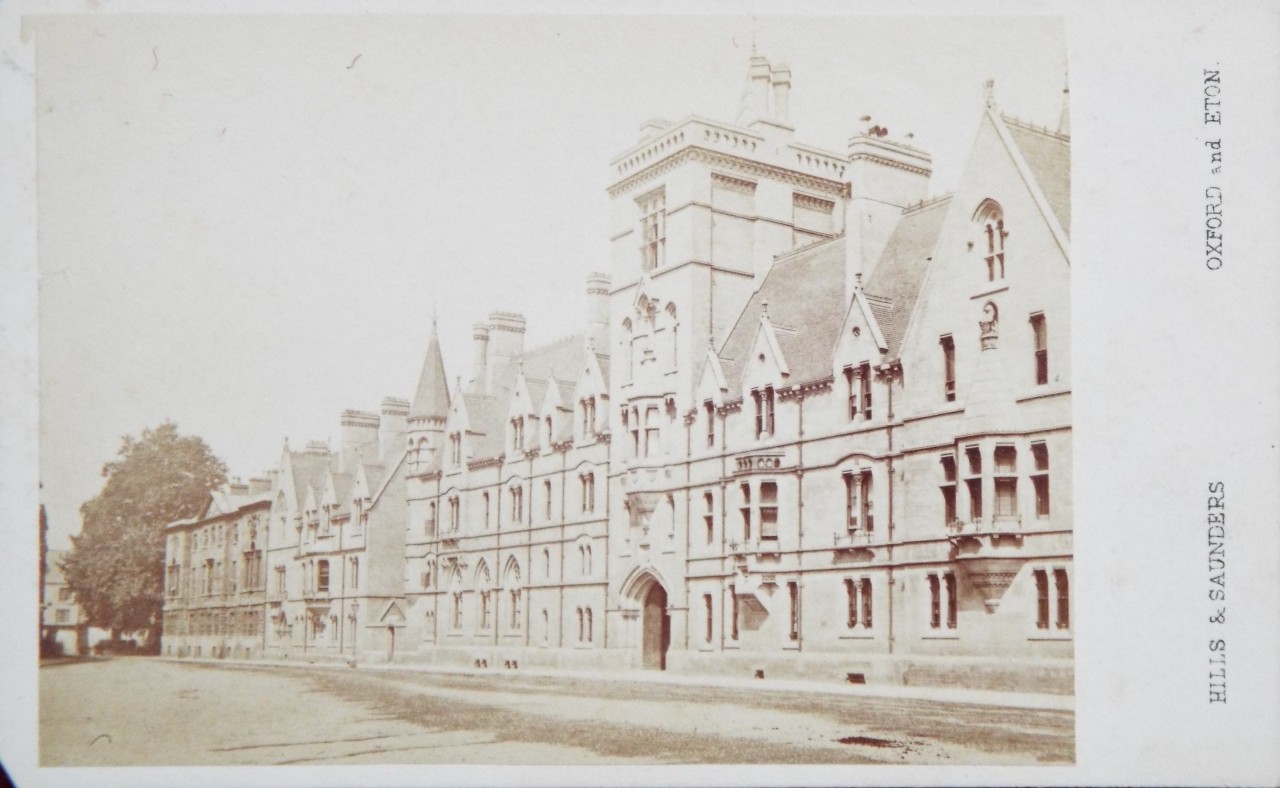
x=1048 y=155
x=431 y=398
x=805 y=291
x=894 y=284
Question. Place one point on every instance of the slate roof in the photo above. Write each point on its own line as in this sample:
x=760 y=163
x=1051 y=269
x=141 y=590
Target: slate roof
x=894 y=284
x=805 y=293
x=1049 y=157
x=308 y=470
x=561 y=361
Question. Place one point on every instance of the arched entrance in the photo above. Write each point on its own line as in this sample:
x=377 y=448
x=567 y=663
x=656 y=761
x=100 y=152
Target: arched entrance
x=656 y=624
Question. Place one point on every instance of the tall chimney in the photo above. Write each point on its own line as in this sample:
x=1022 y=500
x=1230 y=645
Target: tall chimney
x=393 y=426
x=781 y=92
x=480 y=362
x=359 y=438
x=759 y=73
x=506 y=343
x=598 y=311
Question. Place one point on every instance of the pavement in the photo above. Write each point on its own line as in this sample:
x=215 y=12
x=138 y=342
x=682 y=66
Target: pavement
x=136 y=711
x=961 y=695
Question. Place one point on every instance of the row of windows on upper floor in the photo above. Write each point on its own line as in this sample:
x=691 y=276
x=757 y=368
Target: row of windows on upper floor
x=812 y=218
x=481 y=580
x=522 y=435
x=491 y=505
x=757 y=501
x=212 y=535
x=213 y=577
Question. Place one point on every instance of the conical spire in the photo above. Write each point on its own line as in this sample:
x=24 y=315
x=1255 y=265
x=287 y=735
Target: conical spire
x=431 y=398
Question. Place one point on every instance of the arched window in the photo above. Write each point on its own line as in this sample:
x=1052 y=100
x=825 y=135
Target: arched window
x=990 y=220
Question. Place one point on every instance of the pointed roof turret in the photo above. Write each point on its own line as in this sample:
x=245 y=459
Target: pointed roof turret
x=431 y=398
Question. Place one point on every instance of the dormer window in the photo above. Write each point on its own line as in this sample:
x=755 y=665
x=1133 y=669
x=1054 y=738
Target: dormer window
x=455 y=449
x=517 y=434
x=588 y=417
x=547 y=435
x=653 y=229
x=764 y=406
x=709 y=409
x=990 y=219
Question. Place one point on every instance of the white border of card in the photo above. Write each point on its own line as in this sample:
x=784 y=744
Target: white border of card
x=1176 y=388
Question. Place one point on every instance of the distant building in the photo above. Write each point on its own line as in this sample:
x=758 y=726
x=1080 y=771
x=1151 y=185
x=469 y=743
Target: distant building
x=61 y=619
x=816 y=424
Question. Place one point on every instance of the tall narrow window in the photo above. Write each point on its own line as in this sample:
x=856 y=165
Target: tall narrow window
x=651 y=431
x=733 y=612
x=582 y=628
x=851 y=603
x=547 y=435
x=1064 y=598
x=948 y=488
x=769 y=510
x=793 y=591
x=868 y=511
x=355 y=572
x=430 y=526
x=454 y=515
x=1042 y=598
x=864 y=382
x=709 y=515
x=322 y=576
x=757 y=402
x=1006 y=482
x=746 y=511
x=1042 y=348
x=546 y=501
x=653 y=231
x=484 y=497
x=590 y=630
x=974 y=482
x=949 y=581
x=851 y=387
x=517 y=505
x=455 y=612
x=709 y=409
x=768 y=410
x=484 y=610
x=948 y=367
x=707 y=605
x=992 y=220
x=866 y=602
x=515 y=609
x=517 y=434
x=1040 y=478
x=935 y=602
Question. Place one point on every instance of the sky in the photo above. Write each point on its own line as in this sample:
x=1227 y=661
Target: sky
x=246 y=224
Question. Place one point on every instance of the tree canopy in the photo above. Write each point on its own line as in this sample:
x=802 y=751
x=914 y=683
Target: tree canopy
x=116 y=563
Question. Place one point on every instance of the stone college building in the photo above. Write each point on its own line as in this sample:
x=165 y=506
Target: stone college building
x=815 y=425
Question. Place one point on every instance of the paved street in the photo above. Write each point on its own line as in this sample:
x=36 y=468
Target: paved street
x=154 y=712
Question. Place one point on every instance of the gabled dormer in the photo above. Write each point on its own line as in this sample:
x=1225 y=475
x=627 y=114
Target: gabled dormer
x=555 y=416
x=765 y=374
x=591 y=399
x=710 y=395
x=859 y=351
x=521 y=419
x=457 y=426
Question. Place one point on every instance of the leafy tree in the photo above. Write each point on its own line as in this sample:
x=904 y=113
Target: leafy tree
x=116 y=564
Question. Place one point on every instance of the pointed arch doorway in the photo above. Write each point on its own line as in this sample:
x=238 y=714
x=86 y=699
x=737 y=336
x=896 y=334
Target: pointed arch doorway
x=656 y=627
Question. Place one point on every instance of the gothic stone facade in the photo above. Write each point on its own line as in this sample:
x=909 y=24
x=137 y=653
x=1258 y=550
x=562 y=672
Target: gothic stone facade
x=815 y=425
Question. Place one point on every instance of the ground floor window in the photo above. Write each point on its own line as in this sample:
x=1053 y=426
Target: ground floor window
x=942 y=597
x=1047 y=597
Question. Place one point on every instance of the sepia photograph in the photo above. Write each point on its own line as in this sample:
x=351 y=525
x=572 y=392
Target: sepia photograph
x=482 y=408
x=522 y=392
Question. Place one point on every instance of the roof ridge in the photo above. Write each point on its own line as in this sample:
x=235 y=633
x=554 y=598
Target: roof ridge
x=791 y=254
x=1027 y=125
x=927 y=202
